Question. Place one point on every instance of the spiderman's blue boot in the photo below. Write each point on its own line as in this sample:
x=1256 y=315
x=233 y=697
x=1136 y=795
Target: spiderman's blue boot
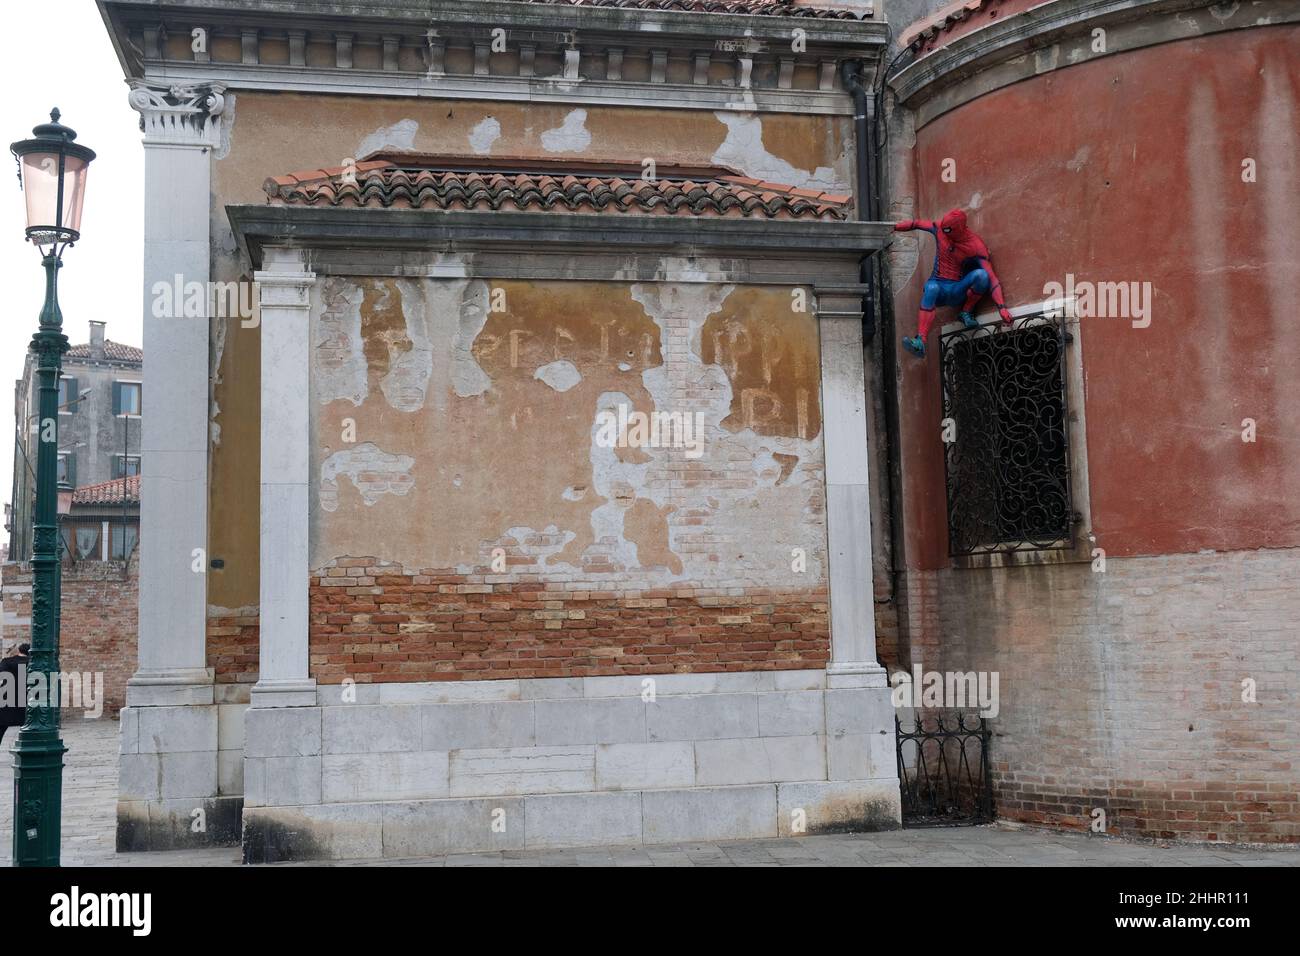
x=915 y=344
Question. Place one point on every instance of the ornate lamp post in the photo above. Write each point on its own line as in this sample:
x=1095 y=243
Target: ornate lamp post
x=52 y=169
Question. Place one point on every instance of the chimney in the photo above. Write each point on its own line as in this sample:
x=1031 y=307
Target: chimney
x=96 y=339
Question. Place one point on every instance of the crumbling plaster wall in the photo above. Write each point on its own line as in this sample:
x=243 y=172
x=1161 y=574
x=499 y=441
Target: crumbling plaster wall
x=273 y=133
x=446 y=430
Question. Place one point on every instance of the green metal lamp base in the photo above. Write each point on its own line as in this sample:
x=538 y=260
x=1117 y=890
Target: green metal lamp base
x=38 y=797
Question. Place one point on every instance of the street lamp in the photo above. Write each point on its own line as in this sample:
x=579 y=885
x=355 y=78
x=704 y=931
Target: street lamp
x=52 y=170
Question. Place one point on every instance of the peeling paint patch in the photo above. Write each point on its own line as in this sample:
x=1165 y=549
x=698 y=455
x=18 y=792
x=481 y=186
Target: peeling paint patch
x=407 y=381
x=225 y=127
x=569 y=137
x=540 y=545
x=743 y=149
x=215 y=380
x=340 y=360
x=1079 y=160
x=560 y=375
x=773 y=369
x=483 y=136
x=401 y=135
x=1048 y=59
x=467 y=376
x=691 y=269
x=646 y=524
x=1224 y=11
x=374 y=472
x=774 y=468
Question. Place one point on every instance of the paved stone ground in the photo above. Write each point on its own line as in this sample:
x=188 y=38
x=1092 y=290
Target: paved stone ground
x=90 y=777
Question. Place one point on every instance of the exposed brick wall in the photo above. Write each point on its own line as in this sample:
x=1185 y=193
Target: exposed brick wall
x=233 y=645
x=918 y=618
x=373 y=623
x=97 y=621
x=1122 y=690
x=15 y=605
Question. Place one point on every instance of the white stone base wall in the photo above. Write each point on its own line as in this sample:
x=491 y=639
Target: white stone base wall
x=180 y=773
x=419 y=769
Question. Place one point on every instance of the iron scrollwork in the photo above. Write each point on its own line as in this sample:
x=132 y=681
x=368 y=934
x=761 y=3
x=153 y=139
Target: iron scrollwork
x=944 y=770
x=1007 y=455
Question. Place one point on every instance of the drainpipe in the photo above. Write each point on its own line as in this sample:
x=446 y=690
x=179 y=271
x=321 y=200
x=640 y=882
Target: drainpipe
x=877 y=310
x=866 y=191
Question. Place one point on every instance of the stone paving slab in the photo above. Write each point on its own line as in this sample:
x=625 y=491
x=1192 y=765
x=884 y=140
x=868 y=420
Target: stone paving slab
x=89 y=804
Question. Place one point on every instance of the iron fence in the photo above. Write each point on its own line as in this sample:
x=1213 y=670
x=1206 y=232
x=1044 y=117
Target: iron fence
x=944 y=771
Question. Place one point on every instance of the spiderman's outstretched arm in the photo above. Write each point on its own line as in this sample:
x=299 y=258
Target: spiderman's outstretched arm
x=907 y=225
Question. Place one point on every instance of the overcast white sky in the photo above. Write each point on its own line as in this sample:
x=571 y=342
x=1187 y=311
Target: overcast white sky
x=101 y=276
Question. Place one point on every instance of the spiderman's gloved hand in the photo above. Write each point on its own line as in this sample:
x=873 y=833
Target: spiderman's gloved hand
x=1006 y=315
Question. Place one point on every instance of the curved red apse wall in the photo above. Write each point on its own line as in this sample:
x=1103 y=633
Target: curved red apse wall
x=1129 y=168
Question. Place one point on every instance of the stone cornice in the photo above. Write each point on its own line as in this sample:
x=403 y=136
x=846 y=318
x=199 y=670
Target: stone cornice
x=1059 y=34
x=388 y=16
x=471 y=231
x=509 y=236
x=621 y=56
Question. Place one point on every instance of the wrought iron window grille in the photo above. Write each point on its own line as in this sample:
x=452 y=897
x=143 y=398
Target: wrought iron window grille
x=1006 y=436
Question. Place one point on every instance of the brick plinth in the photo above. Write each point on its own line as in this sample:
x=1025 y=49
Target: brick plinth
x=233 y=645
x=374 y=623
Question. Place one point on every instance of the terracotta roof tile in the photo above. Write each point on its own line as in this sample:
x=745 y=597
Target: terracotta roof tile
x=412 y=181
x=109 y=492
x=753 y=8
x=923 y=37
x=114 y=351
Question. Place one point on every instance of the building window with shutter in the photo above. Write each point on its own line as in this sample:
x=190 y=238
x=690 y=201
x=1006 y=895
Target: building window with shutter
x=82 y=541
x=68 y=395
x=67 y=472
x=126 y=466
x=127 y=398
x=122 y=539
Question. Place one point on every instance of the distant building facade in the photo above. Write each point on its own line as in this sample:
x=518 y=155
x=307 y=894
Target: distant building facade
x=100 y=416
x=100 y=401
x=101 y=522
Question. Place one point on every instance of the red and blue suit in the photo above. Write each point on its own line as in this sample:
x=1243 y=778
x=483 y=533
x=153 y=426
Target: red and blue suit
x=962 y=275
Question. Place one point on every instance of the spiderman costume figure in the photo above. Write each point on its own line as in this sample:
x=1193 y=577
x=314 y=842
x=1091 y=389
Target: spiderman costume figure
x=962 y=275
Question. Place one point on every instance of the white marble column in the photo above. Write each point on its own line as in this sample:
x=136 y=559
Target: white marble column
x=848 y=494
x=181 y=128
x=284 y=294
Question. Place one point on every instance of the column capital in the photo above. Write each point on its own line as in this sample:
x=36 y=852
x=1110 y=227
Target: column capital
x=839 y=301
x=284 y=282
x=188 y=115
